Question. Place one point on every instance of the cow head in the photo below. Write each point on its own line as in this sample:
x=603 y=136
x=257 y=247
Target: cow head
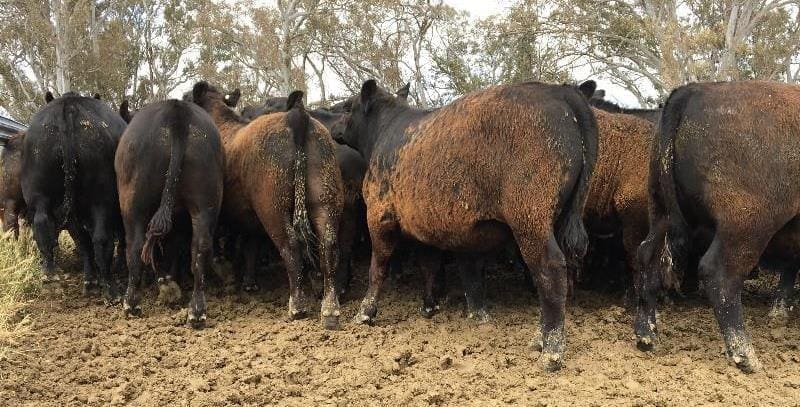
x=205 y=95
x=232 y=99
x=403 y=92
x=364 y=107
x=48 y=97
x=588 y=89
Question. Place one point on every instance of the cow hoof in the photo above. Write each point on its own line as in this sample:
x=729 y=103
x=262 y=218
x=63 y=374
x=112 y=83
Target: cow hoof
x=536 y=343
x=330 y=323
x=779 y=312
x=297 y=308
x=132 y=312
x=645 y=343
x=169 y=293
x=111 y=298
x=428 y=311
x=251 y=287
x=196 y=321
x=90 y=288
x=51 y=277
x=363 y=319
x=480 y=316
x=551 y=362
x=747 y=364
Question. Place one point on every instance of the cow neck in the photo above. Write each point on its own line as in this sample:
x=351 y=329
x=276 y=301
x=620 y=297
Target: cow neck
x=389 y=126
x=226 y=120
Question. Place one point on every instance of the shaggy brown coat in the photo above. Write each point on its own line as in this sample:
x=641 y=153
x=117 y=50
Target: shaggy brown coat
x=618 y=189
x=264 y=192
x=508 y=162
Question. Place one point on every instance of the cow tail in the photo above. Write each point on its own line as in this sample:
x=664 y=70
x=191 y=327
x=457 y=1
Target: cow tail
x=666 y=215
x=177 y=129
x=69 y=160
x=298 y=122
x=571 y=232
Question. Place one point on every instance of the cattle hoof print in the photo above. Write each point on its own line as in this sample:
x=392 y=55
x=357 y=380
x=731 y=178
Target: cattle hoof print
x=551 y=362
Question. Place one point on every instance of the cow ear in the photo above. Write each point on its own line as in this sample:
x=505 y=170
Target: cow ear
x=403 y=92
x=368 y=91
x=199 y=90
x=587 y=88
x=295 y=100
x=232 y=99
x=97 y=96
x=599 y=94
x=48 y=97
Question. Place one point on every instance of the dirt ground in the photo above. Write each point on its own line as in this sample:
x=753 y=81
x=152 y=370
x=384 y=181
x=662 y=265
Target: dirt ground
x=80 y=352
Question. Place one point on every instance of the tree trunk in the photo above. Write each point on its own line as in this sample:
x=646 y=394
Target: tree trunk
x=63 y=83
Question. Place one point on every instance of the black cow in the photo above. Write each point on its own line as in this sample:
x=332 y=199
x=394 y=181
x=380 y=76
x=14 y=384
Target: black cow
x=723 y=182
x=68 y=180
x=169 y=167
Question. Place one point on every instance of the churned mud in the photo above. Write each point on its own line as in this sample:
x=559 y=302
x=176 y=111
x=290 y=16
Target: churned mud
x=80 y=352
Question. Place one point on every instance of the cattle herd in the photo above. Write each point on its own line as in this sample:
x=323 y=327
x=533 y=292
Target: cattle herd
x=702 y=190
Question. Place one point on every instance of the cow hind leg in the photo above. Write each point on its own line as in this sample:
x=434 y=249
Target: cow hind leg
x=169 y=292
x=549 y=268
x=288 y=245
x=44 y=234
x=384 y=239
x=83 y=241
x=781 y=303
x=248 y=279
x=203 y=223
x=134 y=239
x=103 y=254
x=432 y=265
x=471 y=270
x=327 y=231
x=724 y=267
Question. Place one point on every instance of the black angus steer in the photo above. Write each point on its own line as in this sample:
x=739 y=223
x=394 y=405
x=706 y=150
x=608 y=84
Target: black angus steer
x=68 y=180
x=723 y=181
x=169 y=167
x=509 y=162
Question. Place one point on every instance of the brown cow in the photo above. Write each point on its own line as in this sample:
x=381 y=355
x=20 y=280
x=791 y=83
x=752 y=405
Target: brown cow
x=618 y=191
x=723 y=181
x=509 y=162
x=282 y=177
